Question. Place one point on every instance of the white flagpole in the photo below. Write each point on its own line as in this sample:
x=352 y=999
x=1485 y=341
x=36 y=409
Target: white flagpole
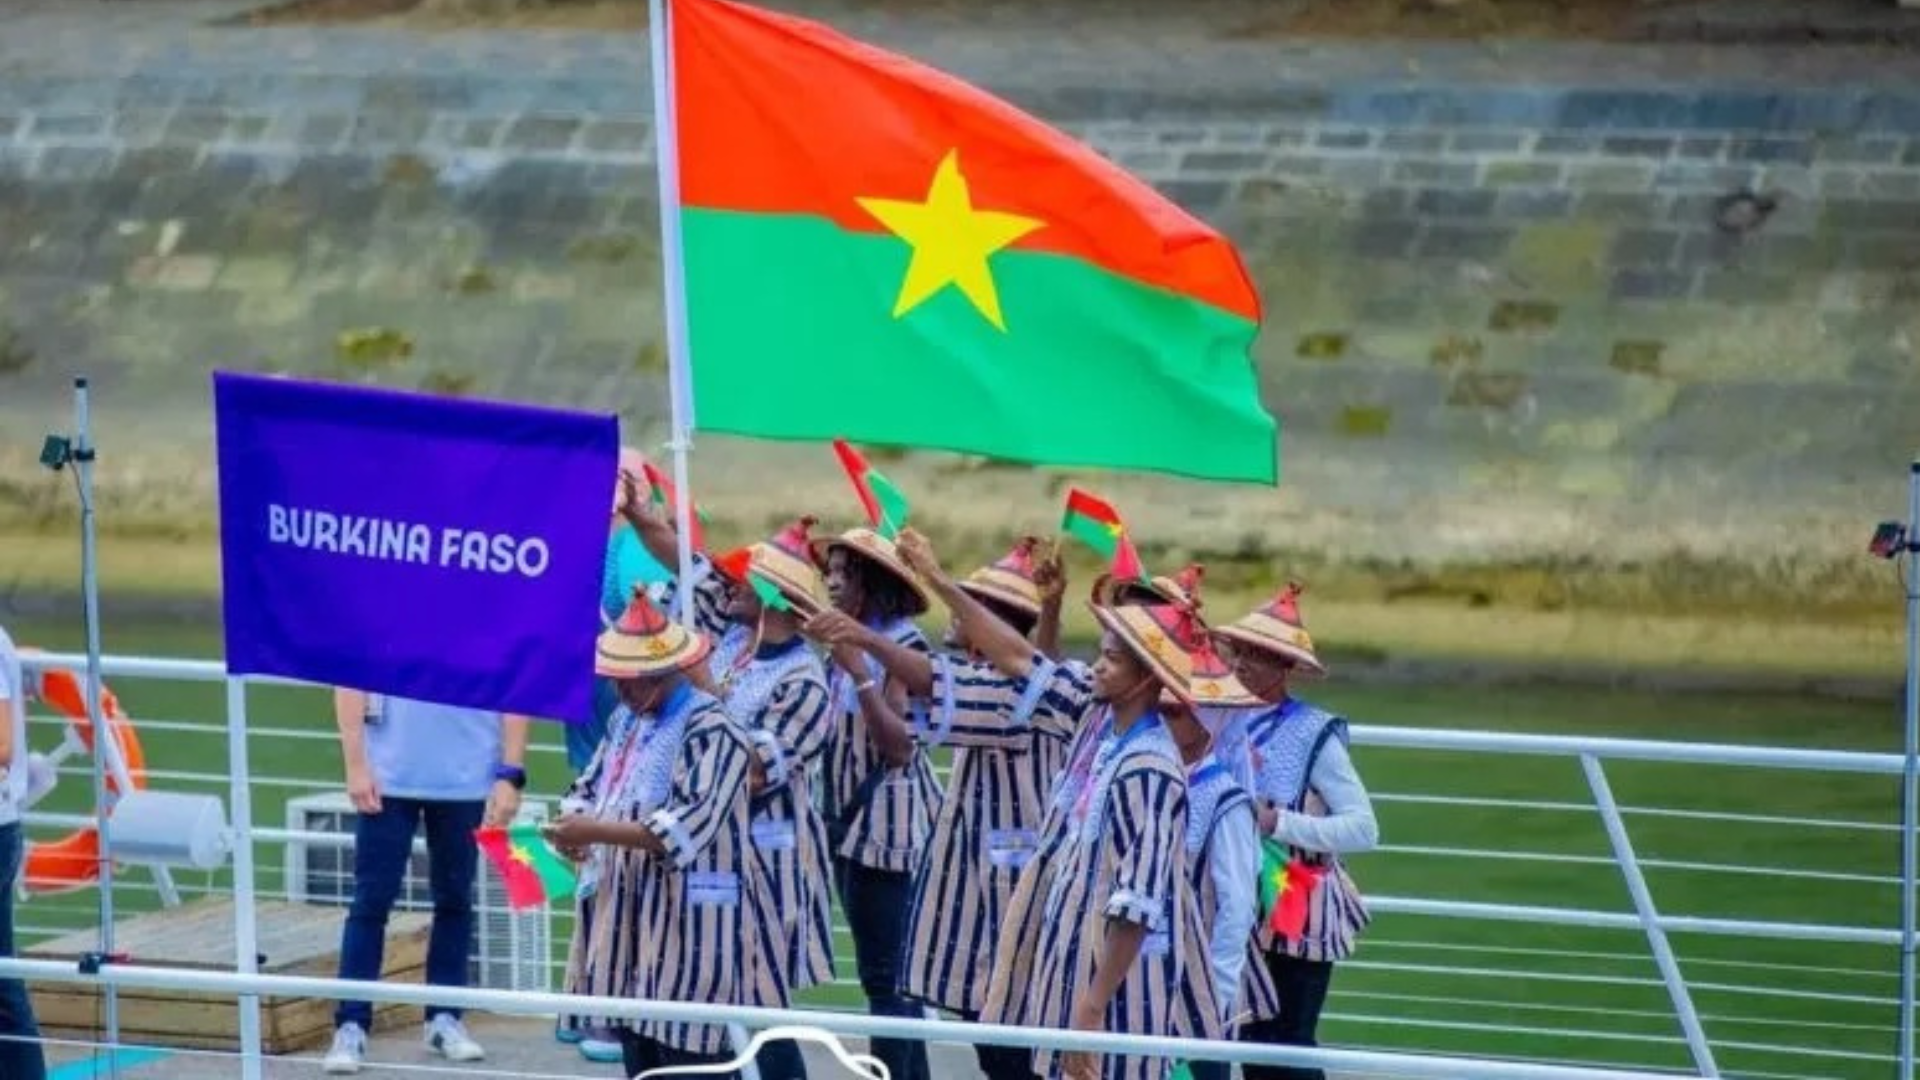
x=666 y=141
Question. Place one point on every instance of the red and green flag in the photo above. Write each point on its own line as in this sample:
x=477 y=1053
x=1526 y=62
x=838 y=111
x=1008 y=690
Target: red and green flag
x=1095 y=523
x=663 y=496
x=877 y=250
x=533 y=872
x=886 y=505
x=737 y=565
x=1286 y=889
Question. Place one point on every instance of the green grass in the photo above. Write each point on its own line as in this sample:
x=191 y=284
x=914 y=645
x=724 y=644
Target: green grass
x=1424 y=983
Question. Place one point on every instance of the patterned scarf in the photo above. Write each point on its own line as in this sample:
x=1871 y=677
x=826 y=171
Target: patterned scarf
x=1281 y=739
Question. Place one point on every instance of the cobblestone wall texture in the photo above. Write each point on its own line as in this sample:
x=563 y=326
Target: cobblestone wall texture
x=1518 y=302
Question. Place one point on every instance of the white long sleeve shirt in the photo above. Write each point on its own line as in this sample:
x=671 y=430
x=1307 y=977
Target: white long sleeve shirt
x=1349 y=825
x=1234 y=866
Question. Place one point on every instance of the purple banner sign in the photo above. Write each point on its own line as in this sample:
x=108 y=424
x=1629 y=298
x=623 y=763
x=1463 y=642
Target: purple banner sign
x=444 y=550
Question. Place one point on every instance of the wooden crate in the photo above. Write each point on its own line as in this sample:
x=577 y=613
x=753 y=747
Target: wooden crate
x=295 y=939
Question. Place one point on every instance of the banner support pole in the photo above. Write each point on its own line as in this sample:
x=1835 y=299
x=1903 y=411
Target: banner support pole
x=104 y=745
x=674 y=298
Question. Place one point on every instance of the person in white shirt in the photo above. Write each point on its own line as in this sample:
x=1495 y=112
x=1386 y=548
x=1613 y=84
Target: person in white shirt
x=21 y=1057
x=1309 y=797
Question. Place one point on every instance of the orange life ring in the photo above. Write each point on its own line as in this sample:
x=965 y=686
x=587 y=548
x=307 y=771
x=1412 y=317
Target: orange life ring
x=73 y=861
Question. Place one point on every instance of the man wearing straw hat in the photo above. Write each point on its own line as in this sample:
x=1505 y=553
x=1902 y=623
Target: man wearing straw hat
x=668 y=838
x=1102 y=932
x=775 y=687
x=21 y=1057
x=988 y=825
x=1311 y=799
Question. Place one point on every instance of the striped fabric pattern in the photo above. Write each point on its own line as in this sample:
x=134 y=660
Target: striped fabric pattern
x=697 y=923
x=790 y=836
x=1133 y=869
x=1223 y=797
x=890 y=832
x=987 y=829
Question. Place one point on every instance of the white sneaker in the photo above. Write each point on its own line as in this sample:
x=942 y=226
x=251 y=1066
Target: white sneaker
x=348 y=1052
x=448 y=1037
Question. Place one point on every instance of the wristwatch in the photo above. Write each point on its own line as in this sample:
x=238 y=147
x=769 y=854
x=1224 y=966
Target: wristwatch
x=512 y=774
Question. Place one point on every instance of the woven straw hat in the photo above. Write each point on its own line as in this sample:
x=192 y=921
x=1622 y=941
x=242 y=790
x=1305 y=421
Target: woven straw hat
x=644 y=642
x=1181 y=589
x=787 y=562
x=1276 y=628
x=1009 y=581
x=878 y=549
x=1160 y=635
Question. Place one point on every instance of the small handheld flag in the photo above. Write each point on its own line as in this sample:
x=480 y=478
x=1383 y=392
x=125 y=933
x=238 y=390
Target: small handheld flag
x=664 y=496
x=532 y=871
x=886 y=505
x=737 y=565
x=1095 y=523
x=1286 y=889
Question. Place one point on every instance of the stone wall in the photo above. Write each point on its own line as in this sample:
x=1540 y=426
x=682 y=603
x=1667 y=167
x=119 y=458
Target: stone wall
x=1562 y=304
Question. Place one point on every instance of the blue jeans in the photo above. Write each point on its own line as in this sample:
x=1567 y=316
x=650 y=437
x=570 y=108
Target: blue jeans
x=877 y=903
x=20 y=1055
x=383 y=844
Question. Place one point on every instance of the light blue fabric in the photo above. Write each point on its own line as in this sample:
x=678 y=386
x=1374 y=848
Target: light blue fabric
x=629 y=563
x=13 y=691
x=420 y=750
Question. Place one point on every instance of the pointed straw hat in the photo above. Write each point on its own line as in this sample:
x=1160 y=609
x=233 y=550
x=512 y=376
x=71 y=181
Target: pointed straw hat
x=1159 y=635
x=1010 y=580
x=877 y=549
x=787 y=562
x=643 y=642
x=1276 y=628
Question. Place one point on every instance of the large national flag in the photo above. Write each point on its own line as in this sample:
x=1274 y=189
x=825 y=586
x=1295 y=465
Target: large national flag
x=406 y=544
x=876 y=249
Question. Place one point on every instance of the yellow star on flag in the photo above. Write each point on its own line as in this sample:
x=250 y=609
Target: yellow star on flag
x=951 y=241
x=521 y=855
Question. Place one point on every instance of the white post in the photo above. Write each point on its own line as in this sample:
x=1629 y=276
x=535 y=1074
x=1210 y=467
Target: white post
x=1649 y=916
x=1910 y=778
x=246 y=932
x=104 y=746
x=674 y=299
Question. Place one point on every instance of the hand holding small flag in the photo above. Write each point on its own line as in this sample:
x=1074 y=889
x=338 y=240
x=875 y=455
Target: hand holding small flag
x=533 y=872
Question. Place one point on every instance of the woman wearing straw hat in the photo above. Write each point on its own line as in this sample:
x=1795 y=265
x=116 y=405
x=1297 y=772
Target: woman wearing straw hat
x=989 y=822
x=1102 y=932
x=879 y=788
x=1310 y=798
x=667 y=842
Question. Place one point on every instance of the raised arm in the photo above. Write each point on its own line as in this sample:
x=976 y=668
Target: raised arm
x=1050 y=578
x=1000 y=644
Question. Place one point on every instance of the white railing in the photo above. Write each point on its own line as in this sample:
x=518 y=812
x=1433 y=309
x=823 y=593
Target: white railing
x=1580 y=993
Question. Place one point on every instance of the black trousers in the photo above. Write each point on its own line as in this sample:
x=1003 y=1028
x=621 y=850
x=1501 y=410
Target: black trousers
x=637 y=1055
x=780 y=1059
x=1302 y=987
x=877 y=904
x=1002 y=1062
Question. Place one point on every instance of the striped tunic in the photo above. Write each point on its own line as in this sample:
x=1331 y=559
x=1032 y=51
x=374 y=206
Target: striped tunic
x=1113 y=849
x=779 y=694
x=890 y=830
x=696 y=923
x=987 y=829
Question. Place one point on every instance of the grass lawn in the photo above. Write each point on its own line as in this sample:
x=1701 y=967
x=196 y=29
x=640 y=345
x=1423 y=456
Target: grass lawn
x=1770 y=1007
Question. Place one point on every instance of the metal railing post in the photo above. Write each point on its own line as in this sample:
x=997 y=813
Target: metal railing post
x=1649 y=916
x=246 y=931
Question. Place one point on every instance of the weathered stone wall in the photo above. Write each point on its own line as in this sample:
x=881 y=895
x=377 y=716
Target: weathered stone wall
x=1515 y=309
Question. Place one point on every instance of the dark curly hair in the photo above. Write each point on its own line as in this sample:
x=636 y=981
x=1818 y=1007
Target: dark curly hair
x=883 y=596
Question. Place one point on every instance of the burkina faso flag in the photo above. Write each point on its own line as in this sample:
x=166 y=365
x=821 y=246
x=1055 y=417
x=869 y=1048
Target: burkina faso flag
x=877 y=250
